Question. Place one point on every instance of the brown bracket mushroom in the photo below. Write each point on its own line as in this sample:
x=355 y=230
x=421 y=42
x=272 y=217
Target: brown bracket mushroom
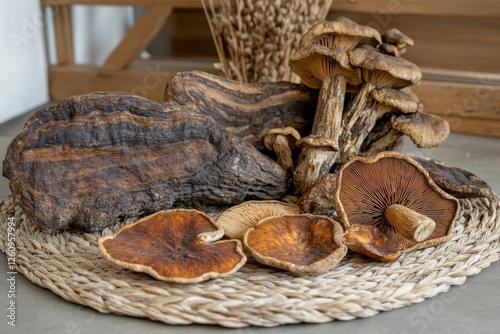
x=371 y=191
x=237 y=219
x=174 y=246
x=303 y=244
x=322 y=62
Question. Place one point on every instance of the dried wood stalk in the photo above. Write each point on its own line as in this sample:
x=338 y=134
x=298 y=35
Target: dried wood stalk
x=247 y=110
x=254 y=39
x=95 y=158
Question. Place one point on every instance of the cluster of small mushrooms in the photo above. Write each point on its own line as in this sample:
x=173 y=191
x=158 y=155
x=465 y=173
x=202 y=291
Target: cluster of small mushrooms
x=386 y=204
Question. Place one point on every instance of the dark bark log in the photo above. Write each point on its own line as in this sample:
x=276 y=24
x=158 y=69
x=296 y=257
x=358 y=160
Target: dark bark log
x=247 y=110
x=99 y=157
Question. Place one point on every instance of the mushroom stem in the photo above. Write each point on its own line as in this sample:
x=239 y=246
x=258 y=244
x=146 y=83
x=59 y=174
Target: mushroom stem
x=283 y=152
x=412 y=225
x=315 y=162
x=381 y=144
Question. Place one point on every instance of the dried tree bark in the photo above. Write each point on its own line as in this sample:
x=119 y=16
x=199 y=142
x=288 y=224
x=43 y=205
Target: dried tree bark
x=99 y=157
x=247 y=110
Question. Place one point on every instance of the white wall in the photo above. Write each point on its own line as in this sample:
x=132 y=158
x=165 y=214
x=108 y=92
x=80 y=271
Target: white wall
x=23 y=61
x=24 y=29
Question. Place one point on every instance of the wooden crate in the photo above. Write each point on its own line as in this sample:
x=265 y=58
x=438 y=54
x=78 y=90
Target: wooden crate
x=457 y=44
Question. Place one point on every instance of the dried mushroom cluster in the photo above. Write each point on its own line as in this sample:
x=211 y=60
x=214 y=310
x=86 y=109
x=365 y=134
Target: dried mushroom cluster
x=97 y=158
x=341 y=56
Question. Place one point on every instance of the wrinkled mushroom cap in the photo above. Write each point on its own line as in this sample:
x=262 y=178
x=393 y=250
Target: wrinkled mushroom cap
x=425 y=130
x=455 y=181
x=369 y=241
x=312 y=63
x=383 y=70
x=303 y=244
x=174 y=246
x=367 y=186
x=340 y=33
x=237 y=219
x=396 y=98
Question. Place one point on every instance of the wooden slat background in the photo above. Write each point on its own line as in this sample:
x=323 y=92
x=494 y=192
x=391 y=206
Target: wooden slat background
x=457 y=45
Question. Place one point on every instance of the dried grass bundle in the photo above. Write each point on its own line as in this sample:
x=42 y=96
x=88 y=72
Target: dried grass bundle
x=254 y=39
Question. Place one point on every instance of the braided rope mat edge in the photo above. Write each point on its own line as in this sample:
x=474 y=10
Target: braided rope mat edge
x=70 y=265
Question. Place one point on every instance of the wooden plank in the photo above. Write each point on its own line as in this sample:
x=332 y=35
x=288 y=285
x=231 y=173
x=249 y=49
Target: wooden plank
x=452 y=43
x=383 y=9
x=469 y=108
x=63 y=35
x=174 y=3
x=137 y=38
x=476 y=8
x=67 y=81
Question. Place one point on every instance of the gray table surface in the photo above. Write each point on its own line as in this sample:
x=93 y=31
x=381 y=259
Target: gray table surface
x=469 y=308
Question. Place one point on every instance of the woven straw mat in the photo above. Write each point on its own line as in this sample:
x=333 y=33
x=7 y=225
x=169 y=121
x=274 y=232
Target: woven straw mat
x=70 y=265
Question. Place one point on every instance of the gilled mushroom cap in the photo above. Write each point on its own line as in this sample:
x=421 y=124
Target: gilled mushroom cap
x=383 y=70
x=396 y=37
x=366 y=187
x=369 y=241
x=304 y=244
x=314 y=62
x=237 y=219
x=425 y=130
x=174 y=246
x=396 y=99
x=340 y=33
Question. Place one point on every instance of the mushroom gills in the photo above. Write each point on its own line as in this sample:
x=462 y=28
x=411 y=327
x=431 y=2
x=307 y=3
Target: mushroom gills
x=411 y=224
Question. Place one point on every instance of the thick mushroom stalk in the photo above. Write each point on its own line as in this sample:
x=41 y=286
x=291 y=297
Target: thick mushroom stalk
x=328 y=69
x=411 y=224
x=322 y=62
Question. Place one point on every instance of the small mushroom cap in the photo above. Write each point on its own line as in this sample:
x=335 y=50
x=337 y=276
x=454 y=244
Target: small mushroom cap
x=396 y=37
x=367 y=186
x=304 y=244
x=383 y=70
x=390 y=49
x=369 y=241
x=237 y=219
x=341 y=33
x=455 y=181
x=396 y=98
x=425 y=130
x=290 y=133
x=174 y=246
x=314 y=62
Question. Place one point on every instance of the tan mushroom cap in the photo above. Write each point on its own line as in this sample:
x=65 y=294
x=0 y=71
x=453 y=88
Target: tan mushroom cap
x=174 y=246
x=304 y=244
x=366 y=187
x=313 y=63
x=396 y=37
x=369 y=241
x=237 y=219
x=383 y=70
x=340 y=33
x=396 y=99
x=425 y=130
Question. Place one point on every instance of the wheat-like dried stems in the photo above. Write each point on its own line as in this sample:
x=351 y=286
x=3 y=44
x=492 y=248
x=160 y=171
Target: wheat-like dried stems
x=255 y=38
